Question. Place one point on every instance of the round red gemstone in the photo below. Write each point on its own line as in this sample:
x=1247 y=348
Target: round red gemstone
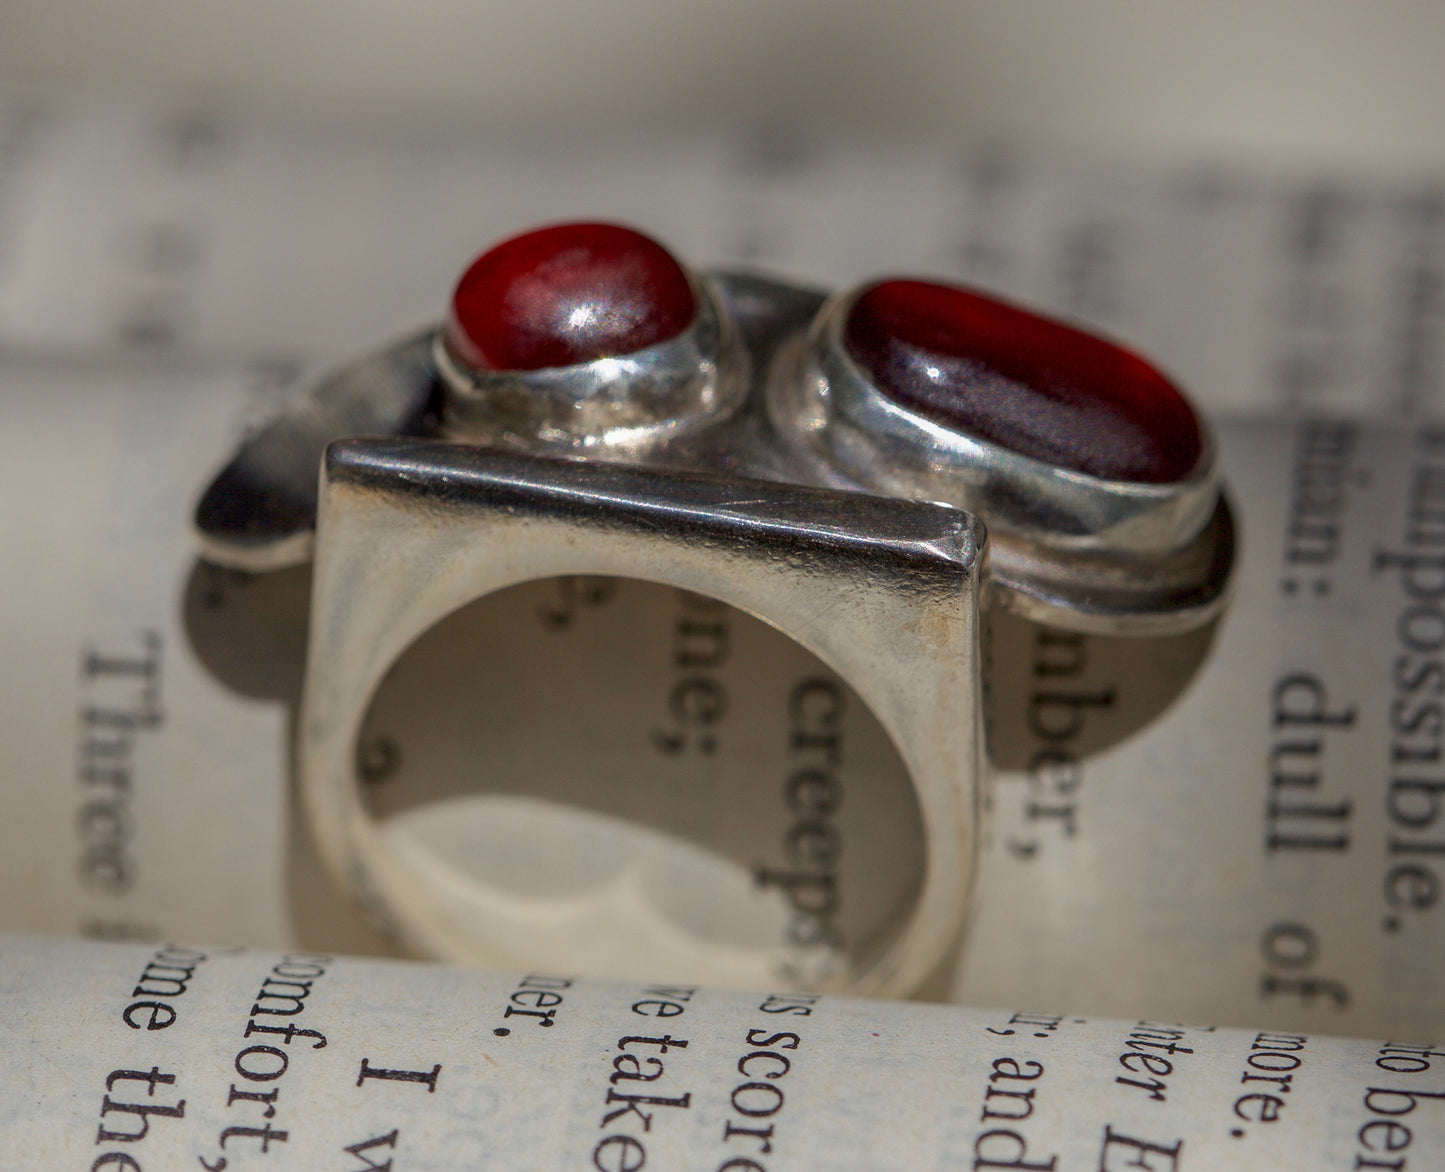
x=1035 y=386
x=567 y=294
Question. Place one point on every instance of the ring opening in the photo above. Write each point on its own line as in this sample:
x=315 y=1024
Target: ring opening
x=700 y=796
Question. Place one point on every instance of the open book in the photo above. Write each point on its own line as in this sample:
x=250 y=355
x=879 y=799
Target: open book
x=1243 y=829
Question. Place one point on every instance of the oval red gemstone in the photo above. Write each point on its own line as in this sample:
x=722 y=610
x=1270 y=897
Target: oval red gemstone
x=567 y=294
x=1035 y=386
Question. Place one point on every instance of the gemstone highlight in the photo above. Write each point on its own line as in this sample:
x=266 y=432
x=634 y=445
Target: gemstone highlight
x=1037 y=387
x=567 y=294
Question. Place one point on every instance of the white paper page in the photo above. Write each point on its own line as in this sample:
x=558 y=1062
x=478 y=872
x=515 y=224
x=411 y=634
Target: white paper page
x=145 y=790
x=148 y=715
x=1274 y=841
x=129 y=1057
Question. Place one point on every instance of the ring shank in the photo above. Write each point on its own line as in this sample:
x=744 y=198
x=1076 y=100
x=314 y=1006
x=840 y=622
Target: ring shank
x=884 y=593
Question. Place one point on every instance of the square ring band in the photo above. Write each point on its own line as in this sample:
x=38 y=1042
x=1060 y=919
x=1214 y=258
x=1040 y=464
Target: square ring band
x=884 y=592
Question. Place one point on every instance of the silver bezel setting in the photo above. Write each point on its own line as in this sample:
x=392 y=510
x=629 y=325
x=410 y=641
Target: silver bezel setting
x=616 y=405
x=1076 y=550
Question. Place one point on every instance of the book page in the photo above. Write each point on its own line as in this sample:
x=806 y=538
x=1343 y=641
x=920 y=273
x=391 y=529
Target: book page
x=138 y=1057
x=1263 y=850
x=1269 y=847
x=147 y=793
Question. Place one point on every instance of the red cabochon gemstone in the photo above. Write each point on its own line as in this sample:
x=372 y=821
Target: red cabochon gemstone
x=1035 y=386
x=567 y=294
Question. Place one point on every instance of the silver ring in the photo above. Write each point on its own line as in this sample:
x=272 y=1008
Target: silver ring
x=752 y=457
